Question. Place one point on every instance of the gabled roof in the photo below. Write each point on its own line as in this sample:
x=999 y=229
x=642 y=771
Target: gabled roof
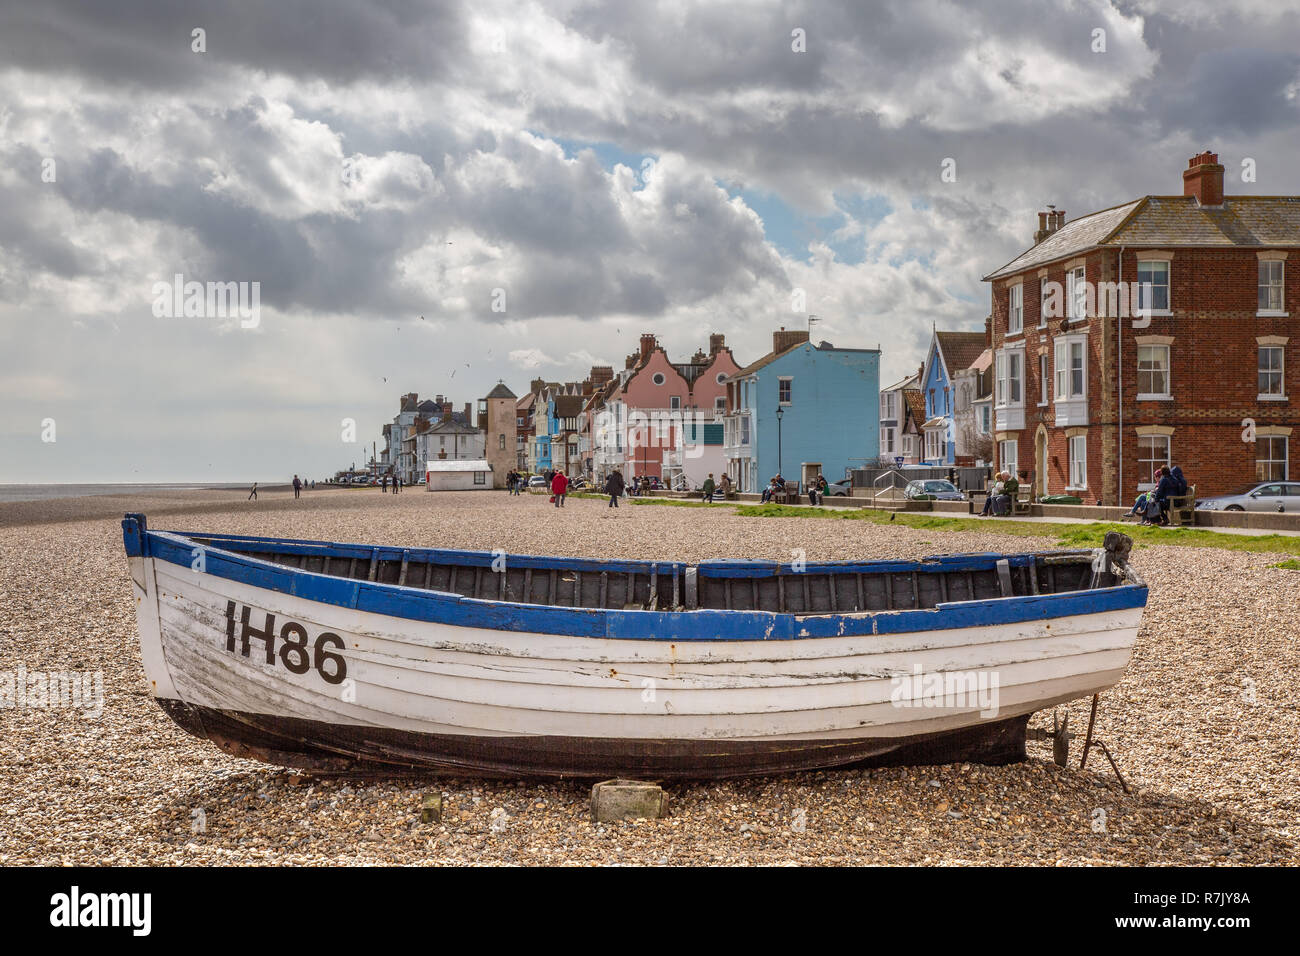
x=1169 y=221
x=960 y=350
x=568 y=406
x=911 y=381
x=500 y=391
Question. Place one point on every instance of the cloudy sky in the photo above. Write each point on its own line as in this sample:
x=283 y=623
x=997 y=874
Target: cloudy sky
x=434 y=196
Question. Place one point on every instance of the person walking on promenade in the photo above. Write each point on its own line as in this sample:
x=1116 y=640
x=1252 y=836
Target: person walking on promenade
x=297 y=486
x=383 y=484
x=252 y=495
x=614 y=487
x=708 y=489
x=559 y=485
x=397 y=484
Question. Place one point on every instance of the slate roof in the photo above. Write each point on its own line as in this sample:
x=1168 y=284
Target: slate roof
x=1170 y=221
x=500 y=391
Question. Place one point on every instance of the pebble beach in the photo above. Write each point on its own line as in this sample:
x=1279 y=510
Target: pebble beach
x=1205 y=725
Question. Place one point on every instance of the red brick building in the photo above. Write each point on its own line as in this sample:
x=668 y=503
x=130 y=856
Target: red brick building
x=1155 y=332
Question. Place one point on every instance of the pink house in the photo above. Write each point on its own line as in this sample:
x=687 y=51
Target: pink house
x=664 y=418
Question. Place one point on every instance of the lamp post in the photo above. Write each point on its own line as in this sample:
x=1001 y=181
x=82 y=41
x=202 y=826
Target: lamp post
x=780 y=413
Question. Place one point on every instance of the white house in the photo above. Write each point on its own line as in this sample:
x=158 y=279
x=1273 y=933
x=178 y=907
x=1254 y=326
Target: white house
x=463 y=474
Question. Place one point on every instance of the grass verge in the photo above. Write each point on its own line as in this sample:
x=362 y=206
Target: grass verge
x=1088 y=535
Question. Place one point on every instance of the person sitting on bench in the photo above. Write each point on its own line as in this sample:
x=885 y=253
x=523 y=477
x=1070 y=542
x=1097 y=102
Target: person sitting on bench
x=994 y=492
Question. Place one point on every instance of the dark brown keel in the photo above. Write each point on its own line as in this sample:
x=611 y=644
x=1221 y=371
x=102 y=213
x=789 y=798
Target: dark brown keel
x=344 y=748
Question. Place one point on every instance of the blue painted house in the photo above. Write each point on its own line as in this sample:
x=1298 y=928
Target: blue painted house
x=950 y=354
x=829 y=404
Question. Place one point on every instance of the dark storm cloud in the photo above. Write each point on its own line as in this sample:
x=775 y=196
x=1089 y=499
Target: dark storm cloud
x=147 y=43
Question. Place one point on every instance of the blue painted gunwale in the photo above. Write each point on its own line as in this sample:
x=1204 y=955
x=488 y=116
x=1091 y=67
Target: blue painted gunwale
x=416 y=604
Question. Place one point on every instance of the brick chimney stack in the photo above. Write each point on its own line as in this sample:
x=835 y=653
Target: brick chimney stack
x=647 y=344
x=717 y=343
x=782 y=340
x=1203 y=178
x=601 y=374
x=1048 y=222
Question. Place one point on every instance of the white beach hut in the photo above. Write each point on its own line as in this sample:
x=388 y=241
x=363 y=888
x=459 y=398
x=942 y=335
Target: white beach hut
x=450 y=474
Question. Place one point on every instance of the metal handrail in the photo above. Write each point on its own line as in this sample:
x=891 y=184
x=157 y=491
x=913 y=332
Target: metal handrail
x=891 y=490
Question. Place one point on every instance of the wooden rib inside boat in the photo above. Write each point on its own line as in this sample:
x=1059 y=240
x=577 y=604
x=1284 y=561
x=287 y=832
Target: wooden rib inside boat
x=833 y=588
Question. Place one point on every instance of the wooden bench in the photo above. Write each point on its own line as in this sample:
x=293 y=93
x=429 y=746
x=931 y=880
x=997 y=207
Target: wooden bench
x=1024 y=498
x=1182 y=508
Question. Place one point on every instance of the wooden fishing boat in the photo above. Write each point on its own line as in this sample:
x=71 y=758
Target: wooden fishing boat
x=354 y=658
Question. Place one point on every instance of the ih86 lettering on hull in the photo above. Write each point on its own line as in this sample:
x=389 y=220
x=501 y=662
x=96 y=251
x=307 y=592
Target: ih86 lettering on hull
x=293 y=654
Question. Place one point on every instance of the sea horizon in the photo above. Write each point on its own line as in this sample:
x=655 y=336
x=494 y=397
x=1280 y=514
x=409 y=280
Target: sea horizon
x=41 y=491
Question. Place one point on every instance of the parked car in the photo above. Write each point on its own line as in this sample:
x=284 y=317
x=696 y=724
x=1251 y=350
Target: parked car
x=842 y=487
x=538 y=481
x=1263 y=496
x=933 y=489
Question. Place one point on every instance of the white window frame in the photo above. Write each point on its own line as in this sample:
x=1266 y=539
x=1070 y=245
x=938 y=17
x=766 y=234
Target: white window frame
x=1167 y=285
x=1015 y=309
x=1009 y=462
x=1260 y=441
x=1042 y=300
x=1043 y=378
x=1077 y=446
x=1076 y=294
x=1064 y=351
x=889 y=406
x=1153 y=463
x=1267 y=282
x=1280 y=372
x=674 y=402
x=480 y=477
x=1006 y=358
x=1150 y=396
x=986 y=418
x=887 y=440
x=785 y=385
x=720 y=403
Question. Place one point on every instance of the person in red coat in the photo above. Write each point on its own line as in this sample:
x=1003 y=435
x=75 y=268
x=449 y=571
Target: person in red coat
x=559 y=485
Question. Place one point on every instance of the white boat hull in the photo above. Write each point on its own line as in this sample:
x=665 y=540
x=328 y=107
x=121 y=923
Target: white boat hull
x=433 y=695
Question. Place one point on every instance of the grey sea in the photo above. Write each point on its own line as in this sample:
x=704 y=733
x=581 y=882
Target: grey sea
x=47 y=492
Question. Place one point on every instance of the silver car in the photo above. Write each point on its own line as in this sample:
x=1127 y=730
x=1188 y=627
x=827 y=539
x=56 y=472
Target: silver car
x=1264 y=496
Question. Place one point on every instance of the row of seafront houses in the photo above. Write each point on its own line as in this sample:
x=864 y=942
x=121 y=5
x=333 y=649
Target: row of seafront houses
x=1152 y=333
